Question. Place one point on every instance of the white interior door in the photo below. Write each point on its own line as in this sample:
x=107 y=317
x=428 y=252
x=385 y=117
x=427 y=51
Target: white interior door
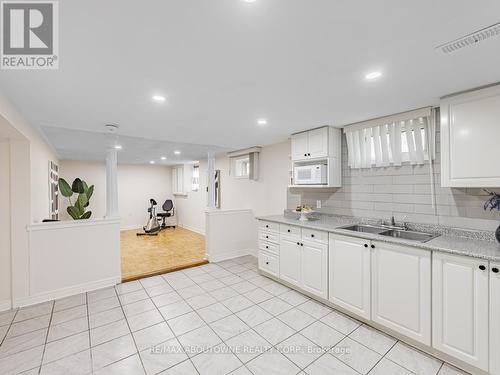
x=401 y=290
x=299 y=146
x=349 y=274
x=495 y=318
x=318 y=143
x=460 y=308
x=315 y=268
x=290 y=260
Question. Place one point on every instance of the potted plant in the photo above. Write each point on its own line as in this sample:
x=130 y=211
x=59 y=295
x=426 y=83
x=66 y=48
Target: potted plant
x=77 y=210
x=491 y=204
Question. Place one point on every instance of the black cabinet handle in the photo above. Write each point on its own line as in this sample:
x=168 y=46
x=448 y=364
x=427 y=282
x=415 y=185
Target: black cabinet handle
x=267 y=226
x=267 y=247
x=305 y=154
x=373 y=246
x=366 y=245
x=267 y=262
x=495 y=270
x=288 y=230
x=482 y=268
x=298 y=243
x=267 y=236
x=312 y=235
x=308 y=154
x=301 y=244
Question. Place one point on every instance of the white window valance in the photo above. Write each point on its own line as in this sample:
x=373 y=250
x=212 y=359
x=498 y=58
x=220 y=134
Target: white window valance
x=392 y=140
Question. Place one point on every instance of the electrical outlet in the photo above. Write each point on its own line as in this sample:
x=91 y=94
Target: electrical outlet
x=318 y=204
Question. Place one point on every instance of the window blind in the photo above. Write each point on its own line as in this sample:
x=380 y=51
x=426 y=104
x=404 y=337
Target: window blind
x=392 y=140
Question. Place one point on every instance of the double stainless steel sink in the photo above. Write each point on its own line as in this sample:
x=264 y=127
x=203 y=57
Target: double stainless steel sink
x=391 y=232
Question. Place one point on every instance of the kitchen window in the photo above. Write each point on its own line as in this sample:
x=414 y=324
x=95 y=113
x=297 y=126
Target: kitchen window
x=195 y=179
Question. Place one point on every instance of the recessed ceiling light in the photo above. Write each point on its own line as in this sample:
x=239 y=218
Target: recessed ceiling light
x=177 y=152
x=163 y=158
x=159 y=98
x=249 y=1
x=373 y=75
x=118 y=147
x=262 y=121
x=152 y=162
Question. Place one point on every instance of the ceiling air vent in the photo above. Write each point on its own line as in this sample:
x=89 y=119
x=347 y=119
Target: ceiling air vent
x=470 y=39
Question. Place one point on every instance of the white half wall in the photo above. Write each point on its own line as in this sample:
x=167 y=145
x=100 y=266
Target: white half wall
x=230 y=234
x=136 y=185
x=68 y=258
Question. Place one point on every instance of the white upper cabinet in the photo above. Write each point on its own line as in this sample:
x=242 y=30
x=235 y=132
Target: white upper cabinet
x=349 y=274
x=317 y=143
x=401 y=290
x=495 y=318
x=312 y=144
x=300 y=146
x=460 y=308
x=470 y=130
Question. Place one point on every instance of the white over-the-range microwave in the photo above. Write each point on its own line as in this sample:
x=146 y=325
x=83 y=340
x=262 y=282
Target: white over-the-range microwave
x=311 y=174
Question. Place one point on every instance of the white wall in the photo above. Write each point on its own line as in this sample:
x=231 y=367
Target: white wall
x=136 y=185
x=5 y=275
x=29 y=193
x=40 y=155
x=266 y=196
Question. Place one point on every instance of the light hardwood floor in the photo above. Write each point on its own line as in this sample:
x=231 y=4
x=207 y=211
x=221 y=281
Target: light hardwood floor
x=172 y=249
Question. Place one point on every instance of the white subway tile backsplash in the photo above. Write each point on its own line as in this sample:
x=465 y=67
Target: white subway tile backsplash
x=401 y=191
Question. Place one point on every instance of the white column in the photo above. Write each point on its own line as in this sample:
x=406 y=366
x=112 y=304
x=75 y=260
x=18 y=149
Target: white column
x=111 y=183
x=211 y=181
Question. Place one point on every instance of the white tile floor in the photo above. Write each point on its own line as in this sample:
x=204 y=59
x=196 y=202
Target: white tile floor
x=214 y=319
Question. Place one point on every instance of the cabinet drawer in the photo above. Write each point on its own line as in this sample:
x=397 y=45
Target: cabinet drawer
x=269 y=247
x=269 y=263
x=267 y=225
x=269 y=236
x=290 y=230
x=314 y=235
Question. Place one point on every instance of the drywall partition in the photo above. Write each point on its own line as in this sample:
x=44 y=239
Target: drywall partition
x=136 y=185
x=230 y=234
x=265 y=196
x=40 y=155
x=72 y=257
x=5 y=261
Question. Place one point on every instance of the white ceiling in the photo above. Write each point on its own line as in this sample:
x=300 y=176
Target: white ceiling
x=222 y=64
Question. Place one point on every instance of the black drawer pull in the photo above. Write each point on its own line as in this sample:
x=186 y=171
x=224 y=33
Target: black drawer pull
x=482 y=268
x=289 y=230
x=267 y=262
x=366 y=245
x=267 y=226
x=267 y=247
x=301 y=244
x=495 y=270
x=312 y=235
x=298 y=243
x=308 y=154
x=373 y=246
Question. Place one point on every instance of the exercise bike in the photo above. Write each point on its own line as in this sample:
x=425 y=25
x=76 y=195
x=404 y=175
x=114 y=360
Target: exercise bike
x=152 y=226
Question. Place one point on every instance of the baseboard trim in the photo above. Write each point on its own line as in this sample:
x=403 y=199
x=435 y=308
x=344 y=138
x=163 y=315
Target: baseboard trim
x=131 y=227
x=5 y=305
x=193 y=229
x=230 y=255
x=66 y=292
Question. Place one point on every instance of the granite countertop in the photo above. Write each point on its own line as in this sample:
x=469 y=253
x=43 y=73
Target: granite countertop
x=476 y=248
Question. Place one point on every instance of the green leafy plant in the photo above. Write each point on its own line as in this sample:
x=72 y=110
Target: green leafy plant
x=77 y=210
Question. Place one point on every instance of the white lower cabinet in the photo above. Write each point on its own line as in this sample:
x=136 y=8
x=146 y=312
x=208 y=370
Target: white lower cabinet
x=495 y=318
x=315 y=268
x=290 y=258
x=349 y=274
x=401 y=290
x=460 y=308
